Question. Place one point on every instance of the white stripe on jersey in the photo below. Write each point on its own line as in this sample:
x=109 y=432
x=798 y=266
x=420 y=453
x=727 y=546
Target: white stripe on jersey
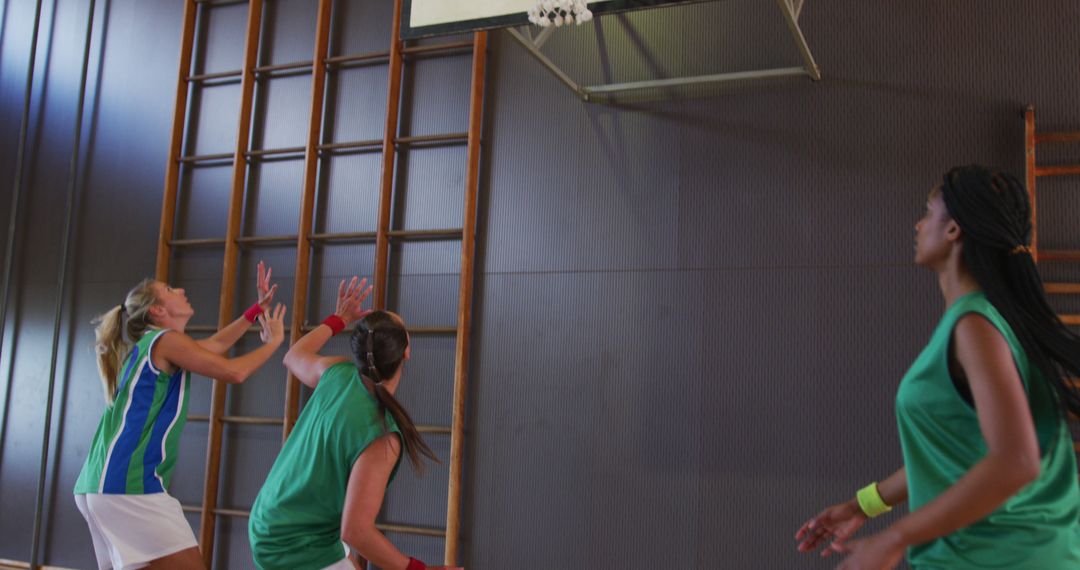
x=176 y=416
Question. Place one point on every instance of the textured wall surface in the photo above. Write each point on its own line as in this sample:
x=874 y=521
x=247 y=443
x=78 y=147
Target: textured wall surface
x=692 y=309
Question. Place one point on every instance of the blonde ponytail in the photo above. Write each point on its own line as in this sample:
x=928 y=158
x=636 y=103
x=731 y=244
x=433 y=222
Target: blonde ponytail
x=133 y=317
x=111 y=348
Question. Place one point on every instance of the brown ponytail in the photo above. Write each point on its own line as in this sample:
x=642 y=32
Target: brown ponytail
x=378 y=345
x=132 y=317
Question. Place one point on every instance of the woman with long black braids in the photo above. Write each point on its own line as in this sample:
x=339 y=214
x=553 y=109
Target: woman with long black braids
x=989 y=469
x=327 y=485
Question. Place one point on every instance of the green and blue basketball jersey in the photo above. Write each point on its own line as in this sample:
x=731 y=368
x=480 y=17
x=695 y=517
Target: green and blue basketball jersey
x=135 y=447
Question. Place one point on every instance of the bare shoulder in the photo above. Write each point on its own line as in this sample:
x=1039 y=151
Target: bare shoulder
x=974 y=332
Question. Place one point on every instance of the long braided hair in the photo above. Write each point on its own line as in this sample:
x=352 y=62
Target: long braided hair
x=378 y=346
x=993 y=211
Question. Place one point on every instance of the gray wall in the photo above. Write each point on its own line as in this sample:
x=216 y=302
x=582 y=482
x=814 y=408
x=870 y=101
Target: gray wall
x=692 y=311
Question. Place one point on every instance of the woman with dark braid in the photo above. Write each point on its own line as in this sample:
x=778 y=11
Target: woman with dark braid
x=989 y=470
x=328 y=482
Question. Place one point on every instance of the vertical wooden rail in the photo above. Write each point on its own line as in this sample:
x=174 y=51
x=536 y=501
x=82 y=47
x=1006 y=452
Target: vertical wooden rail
x=1029 y=168
x=228 y=278
x=176 y=144
x=465 y=295
x=307 y=205
x=386 y=188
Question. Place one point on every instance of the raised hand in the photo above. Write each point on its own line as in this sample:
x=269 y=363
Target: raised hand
x=273 y=325
x=266 y=291
x=349 y=299
x=836 y=523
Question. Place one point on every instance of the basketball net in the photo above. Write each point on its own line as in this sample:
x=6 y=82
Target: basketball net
x=547 y=13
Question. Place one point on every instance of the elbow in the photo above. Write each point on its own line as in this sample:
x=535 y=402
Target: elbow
x=289 y=361
x=1017 y=472
x=358 y=535
x=1028 y=470
x=234 y=376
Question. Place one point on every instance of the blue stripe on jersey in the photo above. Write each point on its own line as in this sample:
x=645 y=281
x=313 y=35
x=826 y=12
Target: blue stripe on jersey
x=142 y=397
x=152 y=457
x=127 y=369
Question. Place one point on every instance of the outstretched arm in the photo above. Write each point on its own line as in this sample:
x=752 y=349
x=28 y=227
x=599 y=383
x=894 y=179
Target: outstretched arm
x=221 y=341
x=303 y=358
x=177 y=350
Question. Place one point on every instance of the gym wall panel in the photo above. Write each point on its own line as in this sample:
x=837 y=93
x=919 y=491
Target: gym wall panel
x=124 y=145
x=691 y=314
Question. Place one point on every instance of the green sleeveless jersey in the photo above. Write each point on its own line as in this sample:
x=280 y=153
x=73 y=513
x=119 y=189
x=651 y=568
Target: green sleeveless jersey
x=1036 y=529
x=295 y=523
x=137 y=440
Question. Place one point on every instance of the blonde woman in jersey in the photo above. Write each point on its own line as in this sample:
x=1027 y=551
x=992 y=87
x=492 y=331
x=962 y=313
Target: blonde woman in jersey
x=989 y=471
x=145 y=361
x=327 y=484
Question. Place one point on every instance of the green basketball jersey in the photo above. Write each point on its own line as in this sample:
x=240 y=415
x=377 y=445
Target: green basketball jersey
x=295 y=523
x=1039 y=527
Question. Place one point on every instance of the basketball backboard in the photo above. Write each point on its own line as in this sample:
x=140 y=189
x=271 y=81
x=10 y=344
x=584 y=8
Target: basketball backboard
x=422 y=18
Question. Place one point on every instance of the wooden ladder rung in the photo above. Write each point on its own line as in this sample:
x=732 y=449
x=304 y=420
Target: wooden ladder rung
x=359 y=58
x=409 y=529
x=267 y=240
x=351 y=145
x=433 y=140
x=1059 y=254
x=245 y=420
x=399 y=528
x=275 y=152
x=433 y=429
x=1062 y=288
x=294 y=66
x=1072 y=320
x=218 y=511
x=1063 y=137
x=212 y=76
x=1056 y=170
x=432 y=330
x=342 y=237
x=421 y=235
x=197 y=242
x=446 y=48
x=221 y=156
x=412 y=330
x=399 y=235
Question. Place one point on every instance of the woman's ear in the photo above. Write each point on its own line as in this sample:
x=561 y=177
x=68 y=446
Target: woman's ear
x=156 y=312
x=408 y=352
x=953 y=231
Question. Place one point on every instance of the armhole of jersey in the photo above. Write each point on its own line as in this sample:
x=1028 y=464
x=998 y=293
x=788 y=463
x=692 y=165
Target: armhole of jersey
x=1012 y=354
x=150 y=350
x=397 y=463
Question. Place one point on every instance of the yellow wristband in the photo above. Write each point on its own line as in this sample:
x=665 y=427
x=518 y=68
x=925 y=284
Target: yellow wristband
x=870 y=501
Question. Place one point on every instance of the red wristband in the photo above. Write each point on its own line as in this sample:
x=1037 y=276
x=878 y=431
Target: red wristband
x=253 y=312
x=336 y=325
x=415 y=564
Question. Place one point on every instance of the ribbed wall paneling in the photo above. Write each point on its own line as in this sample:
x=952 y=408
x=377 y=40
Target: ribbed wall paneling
x=282 y=105
x=348 y=198
x=288 y=31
